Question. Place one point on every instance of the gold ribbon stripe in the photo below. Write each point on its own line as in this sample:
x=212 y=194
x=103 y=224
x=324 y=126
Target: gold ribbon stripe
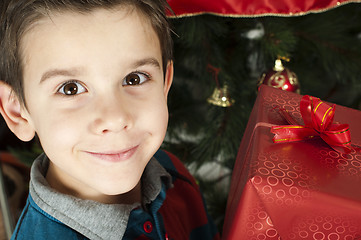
x=277 y=128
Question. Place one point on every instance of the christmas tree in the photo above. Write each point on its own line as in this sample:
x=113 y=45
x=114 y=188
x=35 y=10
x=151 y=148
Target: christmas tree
x=218 y=63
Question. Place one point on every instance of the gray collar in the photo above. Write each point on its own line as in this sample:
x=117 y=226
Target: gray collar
x=93 y=219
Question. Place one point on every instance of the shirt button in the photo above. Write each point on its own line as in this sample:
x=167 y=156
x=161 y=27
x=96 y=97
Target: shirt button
x=148 y=227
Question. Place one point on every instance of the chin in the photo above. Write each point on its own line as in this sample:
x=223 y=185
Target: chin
x=115 y=191
x=120 y=189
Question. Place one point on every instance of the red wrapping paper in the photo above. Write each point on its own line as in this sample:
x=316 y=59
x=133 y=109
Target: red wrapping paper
x=297 y=190
x=250 y=8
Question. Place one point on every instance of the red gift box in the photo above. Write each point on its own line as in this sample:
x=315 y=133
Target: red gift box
x=295 y=190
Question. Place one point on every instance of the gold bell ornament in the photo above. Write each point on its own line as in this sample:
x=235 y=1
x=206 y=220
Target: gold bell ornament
x=220 y=96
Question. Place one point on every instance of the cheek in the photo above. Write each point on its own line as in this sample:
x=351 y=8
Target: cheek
x=57 y=130
x=155 y=115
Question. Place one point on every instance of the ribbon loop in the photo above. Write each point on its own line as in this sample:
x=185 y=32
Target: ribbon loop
x=318 y=122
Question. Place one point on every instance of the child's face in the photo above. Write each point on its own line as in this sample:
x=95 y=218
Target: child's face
x=98 y=129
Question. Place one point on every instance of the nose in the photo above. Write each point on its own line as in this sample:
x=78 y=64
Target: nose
x=111 y=115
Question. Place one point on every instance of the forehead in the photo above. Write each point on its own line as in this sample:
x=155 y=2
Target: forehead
x=124 y=29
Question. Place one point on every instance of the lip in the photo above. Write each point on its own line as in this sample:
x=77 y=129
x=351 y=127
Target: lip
x=114 y=156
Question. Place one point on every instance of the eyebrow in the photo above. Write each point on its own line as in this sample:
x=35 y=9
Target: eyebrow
x=59 y=72
x=146 y=61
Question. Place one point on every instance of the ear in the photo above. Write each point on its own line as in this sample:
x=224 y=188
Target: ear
x=13 y=113
x=168 y=78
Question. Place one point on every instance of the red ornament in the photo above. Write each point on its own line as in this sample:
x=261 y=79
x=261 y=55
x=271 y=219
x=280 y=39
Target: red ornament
x=281 y=78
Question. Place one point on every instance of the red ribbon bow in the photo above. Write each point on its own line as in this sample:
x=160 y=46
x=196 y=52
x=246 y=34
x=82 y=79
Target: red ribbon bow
x=318 y=118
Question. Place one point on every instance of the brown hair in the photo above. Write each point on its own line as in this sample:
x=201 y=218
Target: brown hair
x=17 y=16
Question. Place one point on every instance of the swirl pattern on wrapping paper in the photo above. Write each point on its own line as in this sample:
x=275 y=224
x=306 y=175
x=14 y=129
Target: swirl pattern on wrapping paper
x=285 y=101
x=272 y=170
x=330 y=227
x=273 y=173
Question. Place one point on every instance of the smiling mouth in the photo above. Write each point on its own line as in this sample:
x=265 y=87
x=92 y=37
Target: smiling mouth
x=114 y=156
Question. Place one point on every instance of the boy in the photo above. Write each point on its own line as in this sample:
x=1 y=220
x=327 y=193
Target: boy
x=90 y=78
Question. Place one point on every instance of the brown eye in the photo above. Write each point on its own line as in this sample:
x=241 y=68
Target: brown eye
x=135 y=78
x=71 y=88
x=132 y=79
